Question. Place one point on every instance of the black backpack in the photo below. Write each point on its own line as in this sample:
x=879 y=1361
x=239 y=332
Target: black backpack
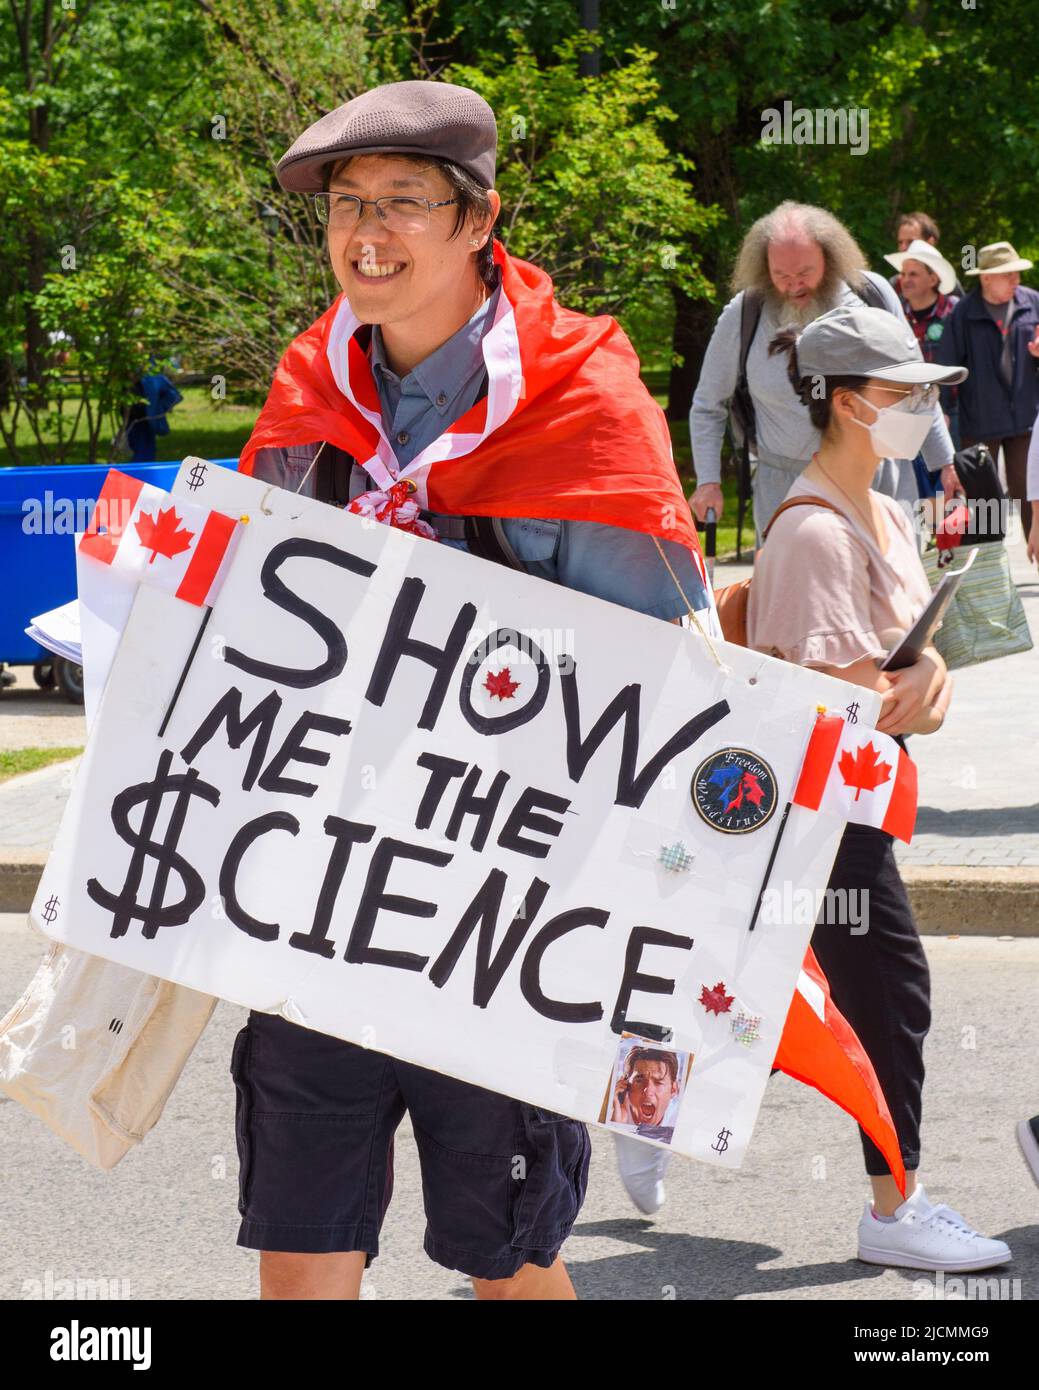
x=741 y=407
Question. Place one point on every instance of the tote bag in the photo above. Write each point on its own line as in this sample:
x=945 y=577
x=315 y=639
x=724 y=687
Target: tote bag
x=986 y=619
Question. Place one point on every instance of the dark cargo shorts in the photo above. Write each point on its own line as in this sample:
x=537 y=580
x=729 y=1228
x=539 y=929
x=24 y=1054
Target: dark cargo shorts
x=502 y=1182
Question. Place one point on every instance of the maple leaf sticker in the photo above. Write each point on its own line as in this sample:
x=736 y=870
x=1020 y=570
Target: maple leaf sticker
x=715 y=1000
x=863 y=771
x=161 y=536
x=501 y=684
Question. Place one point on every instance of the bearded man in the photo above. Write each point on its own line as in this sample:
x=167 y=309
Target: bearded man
x=795 y=263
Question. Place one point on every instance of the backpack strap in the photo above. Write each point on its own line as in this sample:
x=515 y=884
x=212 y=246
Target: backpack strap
x=742 y=405
x=798 y=502
x=870 y=293
x=485 y=536
x=750 y=317
x=332 y=476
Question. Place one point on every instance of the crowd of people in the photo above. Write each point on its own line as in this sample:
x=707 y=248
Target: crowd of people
x=857 y=392
x=799 y=262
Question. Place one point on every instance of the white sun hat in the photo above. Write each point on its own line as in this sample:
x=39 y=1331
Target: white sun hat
x=929 y=256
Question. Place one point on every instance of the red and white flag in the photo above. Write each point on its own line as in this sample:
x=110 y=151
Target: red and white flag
x=855 y=773
x=820 y=1048
x=154 y=538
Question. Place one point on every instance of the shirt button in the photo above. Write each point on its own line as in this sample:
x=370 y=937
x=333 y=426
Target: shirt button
x=442 y=398
x=403 y=437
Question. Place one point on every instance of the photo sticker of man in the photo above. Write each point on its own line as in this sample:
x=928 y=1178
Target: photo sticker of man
x=645 y=1089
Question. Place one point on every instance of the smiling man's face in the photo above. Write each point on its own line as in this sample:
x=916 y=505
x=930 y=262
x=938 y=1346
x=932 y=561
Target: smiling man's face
x=652 y=1091
x=388 y=276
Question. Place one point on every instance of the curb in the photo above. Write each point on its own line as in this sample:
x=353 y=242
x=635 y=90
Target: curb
x=962 y=900
x=20 y=872
x=966 y=900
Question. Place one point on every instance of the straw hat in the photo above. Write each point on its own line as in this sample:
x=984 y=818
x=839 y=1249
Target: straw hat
x=998 y=258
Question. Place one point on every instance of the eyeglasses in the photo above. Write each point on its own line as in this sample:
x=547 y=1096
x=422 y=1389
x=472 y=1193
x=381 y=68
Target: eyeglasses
x=920 y=396
x=397 y=214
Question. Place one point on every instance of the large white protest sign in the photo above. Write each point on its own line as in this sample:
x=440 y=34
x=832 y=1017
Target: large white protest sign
x=456 y=814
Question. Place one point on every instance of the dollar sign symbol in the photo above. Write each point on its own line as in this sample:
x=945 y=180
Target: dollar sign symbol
x=50 y=908
x=197 y=476
x=156 y=913
x=852 y=712
x=722 y=1142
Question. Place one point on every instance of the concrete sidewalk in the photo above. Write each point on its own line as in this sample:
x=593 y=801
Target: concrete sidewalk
x=973 y=866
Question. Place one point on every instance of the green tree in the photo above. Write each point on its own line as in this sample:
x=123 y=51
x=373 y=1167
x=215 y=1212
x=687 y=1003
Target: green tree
x=85 y=234
x=589 y=189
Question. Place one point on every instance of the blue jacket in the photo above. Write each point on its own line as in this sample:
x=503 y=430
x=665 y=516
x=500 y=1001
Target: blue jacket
x=989 y=408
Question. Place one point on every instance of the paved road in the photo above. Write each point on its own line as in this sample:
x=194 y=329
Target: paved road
x=163 y=1223
x=35 y=718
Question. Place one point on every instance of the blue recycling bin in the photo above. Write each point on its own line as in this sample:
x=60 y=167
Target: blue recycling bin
x=41 y=508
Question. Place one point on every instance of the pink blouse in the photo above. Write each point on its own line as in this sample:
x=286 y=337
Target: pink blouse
x=823 y=594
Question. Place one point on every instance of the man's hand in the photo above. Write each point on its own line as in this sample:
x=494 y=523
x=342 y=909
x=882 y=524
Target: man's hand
x=707 y=495
x=621 y=1103
x=1033 y=535
x=950 y=480
x=1033 y=346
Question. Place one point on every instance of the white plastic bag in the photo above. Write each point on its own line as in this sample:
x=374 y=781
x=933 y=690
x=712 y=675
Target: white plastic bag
x=94 y=1049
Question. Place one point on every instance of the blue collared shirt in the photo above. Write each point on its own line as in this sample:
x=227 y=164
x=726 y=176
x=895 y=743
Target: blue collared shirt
x=607 y=562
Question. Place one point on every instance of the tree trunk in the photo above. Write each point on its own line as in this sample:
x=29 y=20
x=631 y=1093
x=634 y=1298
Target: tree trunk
x=713 y=182
x=694 y=323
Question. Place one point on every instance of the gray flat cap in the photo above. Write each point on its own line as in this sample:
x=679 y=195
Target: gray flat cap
x=867 y=342
x=432 y=118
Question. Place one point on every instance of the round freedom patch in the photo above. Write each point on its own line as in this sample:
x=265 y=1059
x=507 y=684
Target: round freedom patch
x=734 y=790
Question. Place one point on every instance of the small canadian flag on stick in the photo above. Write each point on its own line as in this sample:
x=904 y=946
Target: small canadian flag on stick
x=147 y=534
x=859 y=775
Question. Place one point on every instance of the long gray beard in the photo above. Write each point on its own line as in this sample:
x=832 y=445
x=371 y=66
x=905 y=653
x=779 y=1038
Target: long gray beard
x=790 y=315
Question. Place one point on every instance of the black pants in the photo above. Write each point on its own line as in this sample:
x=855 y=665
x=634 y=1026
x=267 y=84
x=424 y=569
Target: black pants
x=1015 y=459
x=879 y=979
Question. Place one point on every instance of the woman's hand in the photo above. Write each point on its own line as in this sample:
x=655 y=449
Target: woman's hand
x=912 y=692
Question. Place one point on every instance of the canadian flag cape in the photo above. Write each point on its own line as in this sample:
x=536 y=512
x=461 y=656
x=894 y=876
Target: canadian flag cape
x=567 y=430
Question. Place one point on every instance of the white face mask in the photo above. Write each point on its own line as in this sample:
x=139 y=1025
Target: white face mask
x=898 y=431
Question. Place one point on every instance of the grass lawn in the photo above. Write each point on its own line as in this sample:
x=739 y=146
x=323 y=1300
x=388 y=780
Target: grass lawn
x=198 y=425
x=29 y=759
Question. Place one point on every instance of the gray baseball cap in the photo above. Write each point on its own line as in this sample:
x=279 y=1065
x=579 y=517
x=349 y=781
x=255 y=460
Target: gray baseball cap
x=432 y=118
x=860 y=341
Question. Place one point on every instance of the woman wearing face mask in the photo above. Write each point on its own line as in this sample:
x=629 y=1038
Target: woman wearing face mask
x=835 y=585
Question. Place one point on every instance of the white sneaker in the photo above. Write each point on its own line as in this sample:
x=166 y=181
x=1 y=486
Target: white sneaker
x=1028 y=1138
x=642 y=1167
x=926 y=1237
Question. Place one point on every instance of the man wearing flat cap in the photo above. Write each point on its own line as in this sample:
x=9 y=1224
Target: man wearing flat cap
x=444 y=391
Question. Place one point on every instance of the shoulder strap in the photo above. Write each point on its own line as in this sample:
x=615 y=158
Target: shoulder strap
x=870 y=293
x=798 y=502
x=750 y=316
x=332 y=482
x=485 y=536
